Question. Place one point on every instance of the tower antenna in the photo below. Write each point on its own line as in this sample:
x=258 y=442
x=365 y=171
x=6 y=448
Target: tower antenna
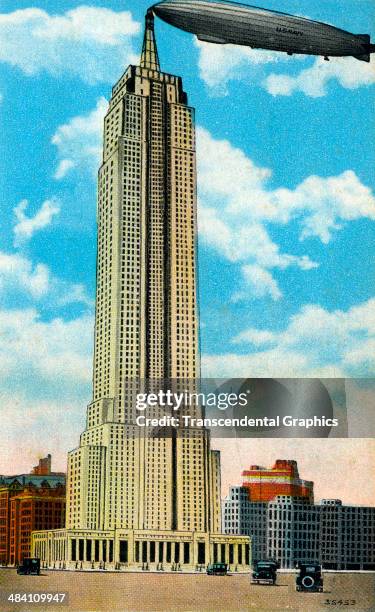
x=149 y=56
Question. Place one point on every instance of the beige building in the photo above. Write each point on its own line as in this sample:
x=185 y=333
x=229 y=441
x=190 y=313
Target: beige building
x=135 y=499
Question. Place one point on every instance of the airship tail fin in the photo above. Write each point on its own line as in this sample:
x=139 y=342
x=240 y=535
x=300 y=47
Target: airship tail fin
x=363 y=38
x=367 y=47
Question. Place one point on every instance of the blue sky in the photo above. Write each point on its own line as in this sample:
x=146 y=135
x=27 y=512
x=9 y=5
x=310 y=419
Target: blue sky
x=286 y=199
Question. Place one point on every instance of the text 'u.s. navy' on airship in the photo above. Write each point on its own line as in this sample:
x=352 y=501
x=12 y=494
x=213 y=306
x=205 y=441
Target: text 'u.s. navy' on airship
x=240 y=24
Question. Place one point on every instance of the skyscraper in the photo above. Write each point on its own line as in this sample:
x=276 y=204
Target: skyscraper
x=135 y=498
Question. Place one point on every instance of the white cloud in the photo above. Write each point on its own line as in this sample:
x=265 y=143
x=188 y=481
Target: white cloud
x=20 y=277
x=45 y=384
x=220 y=64
x=54 y=351
x=257 y=337
x=79 y=140
x=315 y=342
x=314 y=81
x=63 y=168
x=274 y=363
x=17 y=273
x=234 y=207
x=26 y=227
x=237 y=208
x=86 y=42
x=261 y=282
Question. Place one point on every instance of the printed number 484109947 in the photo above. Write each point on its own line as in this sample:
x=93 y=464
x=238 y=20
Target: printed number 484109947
x=36 y=597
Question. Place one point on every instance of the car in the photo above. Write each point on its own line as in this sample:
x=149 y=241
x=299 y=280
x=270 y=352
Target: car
x=264 y=572
x=30 y=565
x=217 y=569
x=310 y=578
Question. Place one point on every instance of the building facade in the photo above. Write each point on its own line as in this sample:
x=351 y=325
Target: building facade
x=23 y=509
x=263 y=484
x=293 y=530
x=135 y=498
x=347 y=536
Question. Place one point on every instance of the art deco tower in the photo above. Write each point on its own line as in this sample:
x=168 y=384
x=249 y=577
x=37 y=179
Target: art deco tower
x=131 y=487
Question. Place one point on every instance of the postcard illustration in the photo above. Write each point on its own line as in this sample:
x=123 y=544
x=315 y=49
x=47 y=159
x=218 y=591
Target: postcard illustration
x=187 y=316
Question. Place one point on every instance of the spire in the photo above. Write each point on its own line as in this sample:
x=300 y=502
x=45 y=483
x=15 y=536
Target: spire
x=149 y=57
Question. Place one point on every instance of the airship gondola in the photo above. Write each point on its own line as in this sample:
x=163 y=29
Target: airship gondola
x=240 y=24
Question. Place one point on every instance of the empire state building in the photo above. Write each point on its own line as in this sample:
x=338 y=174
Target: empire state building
x=137 y=500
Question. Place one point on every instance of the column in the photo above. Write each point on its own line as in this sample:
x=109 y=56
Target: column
x=191 y=560
x=84 y=549
x=172 y=552
x=130 y=538
x=164 y=544
x=116 y=548
x=226 y=553
x=157 y=544
x=101 y=550
x=195 y=551
x=148 y=557
x=235 y=554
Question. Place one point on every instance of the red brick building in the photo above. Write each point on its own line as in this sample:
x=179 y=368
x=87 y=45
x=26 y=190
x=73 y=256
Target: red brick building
x=29 y=502
x=263 y=484
x=32 y=509
x=7 y=491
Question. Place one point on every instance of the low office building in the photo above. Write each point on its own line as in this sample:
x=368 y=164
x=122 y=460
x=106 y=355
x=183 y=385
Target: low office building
x=140 y=549
x=347 y=536
x=285 y=528
x=33 y=508
x=292 y=530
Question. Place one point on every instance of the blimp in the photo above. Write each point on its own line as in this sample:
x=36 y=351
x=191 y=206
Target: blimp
x=240 y=24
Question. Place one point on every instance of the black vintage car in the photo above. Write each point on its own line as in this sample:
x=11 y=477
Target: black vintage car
x=30 y=565
x=264 y=572
x=310 y=578
x=217 y=569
